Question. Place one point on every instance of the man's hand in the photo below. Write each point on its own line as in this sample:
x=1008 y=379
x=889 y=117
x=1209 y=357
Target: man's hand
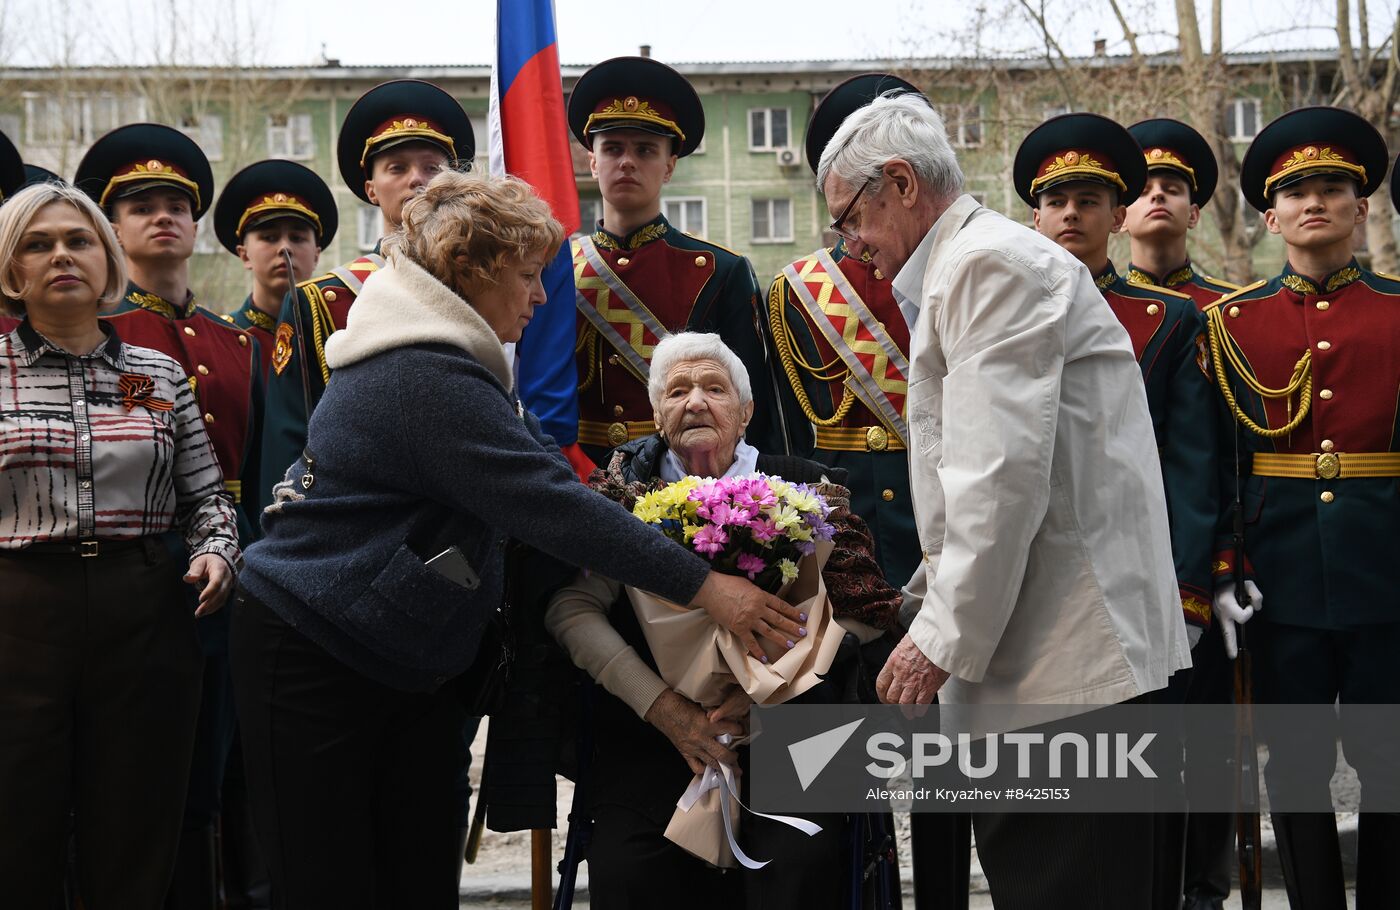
x=747 y=610
x=1229 y=612
x=214 y=579
x=692 y=733
x=908 y=677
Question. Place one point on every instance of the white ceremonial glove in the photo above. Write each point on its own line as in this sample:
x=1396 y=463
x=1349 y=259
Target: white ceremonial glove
x=1229 y=612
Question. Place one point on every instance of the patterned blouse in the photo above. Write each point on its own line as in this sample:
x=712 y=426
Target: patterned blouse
x=107 y=445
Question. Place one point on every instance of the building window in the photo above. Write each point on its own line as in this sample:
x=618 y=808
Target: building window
x=964 y=124
x=207 y=130
x=686 y=213
x=368 y=227
x=590 y=212
x=772 y=221
x=77 y=119
x=1055 y=110
x=1242 y=119
x=289 y=136
x=768 y=129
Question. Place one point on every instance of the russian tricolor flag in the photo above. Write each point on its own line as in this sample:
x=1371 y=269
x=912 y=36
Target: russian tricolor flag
x=529 y=138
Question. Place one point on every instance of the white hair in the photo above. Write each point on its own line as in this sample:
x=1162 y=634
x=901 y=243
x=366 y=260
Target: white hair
x=892 y=126
x=683 y=346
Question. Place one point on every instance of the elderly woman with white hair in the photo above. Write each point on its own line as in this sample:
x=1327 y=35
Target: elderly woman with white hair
x=648 y=738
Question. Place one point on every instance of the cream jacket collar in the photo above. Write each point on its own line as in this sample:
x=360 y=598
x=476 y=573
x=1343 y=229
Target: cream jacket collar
x=401 y=305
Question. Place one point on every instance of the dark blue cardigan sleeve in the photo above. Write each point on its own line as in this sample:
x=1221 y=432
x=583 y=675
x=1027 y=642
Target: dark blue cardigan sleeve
x=472 y=451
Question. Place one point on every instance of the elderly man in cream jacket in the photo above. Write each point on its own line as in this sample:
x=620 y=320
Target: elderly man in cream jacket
x=1047 y=575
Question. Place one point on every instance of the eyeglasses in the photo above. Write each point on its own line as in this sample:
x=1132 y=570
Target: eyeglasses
x=838 y=227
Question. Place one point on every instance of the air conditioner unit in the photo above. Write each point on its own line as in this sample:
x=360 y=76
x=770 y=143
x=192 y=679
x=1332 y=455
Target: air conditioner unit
x=788 y=158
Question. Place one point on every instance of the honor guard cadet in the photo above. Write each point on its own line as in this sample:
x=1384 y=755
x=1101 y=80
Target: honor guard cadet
x=155 y=184
x=637 y=277
x=395 y=138
x=1181 y=177
x=266 y=210
x=1077 y=171
x=842 y=346
x=1308 y=364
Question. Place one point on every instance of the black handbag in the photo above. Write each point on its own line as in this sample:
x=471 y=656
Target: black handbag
x=482 y=688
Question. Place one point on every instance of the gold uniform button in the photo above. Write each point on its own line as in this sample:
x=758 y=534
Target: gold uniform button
x=614 y=360
x=617 y=410
x=189 y=330
x=203 y=370
x=1153 y=309
x=330 y=296
x=1328 y=445
x=208 y=418
x=1324 y=345
x=887 y=496
x=1322 y=304
x=623 y=260
x=700 y=261
x=879 y=275
x=1325 y=394
x=243 y=340
x=1328 y=496
x=1234 y=311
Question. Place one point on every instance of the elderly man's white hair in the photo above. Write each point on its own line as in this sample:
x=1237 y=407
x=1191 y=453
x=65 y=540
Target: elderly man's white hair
x=892 y=126
x=684 y=346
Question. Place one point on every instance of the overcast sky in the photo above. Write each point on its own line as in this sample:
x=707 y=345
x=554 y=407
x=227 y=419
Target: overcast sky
x=403 y=32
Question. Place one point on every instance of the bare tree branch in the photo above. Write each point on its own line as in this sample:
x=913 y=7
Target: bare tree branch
x=1127 y=32
x=1051 y=44
x=1346 y=54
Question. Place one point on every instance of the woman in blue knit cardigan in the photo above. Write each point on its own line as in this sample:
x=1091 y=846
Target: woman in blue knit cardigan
x=345 y=639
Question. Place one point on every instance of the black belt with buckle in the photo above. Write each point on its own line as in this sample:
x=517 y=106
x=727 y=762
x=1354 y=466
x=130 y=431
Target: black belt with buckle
x=84 y=548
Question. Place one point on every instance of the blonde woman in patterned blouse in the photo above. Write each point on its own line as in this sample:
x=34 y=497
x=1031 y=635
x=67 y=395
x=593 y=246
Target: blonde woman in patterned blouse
x=102 y=451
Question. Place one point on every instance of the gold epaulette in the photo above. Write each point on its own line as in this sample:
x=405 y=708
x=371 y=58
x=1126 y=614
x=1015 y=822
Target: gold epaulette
x=1224 y=284
x=1235 y=293
x=1162 y=290
x=218 y=318
x=709 y=242
x=1386 y=275
x=792 y=360
x=317 y=280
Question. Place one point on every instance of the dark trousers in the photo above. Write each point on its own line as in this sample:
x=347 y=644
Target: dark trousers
x=352 y=783
x=1083 y=861
x=636 y=777
x=1297 y=665
x=99 y=688
x=1210 y=836
x=1078 y=861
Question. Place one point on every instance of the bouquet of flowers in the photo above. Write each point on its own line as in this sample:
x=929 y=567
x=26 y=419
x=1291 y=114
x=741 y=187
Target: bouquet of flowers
x=755 y=525
x=776 y=534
